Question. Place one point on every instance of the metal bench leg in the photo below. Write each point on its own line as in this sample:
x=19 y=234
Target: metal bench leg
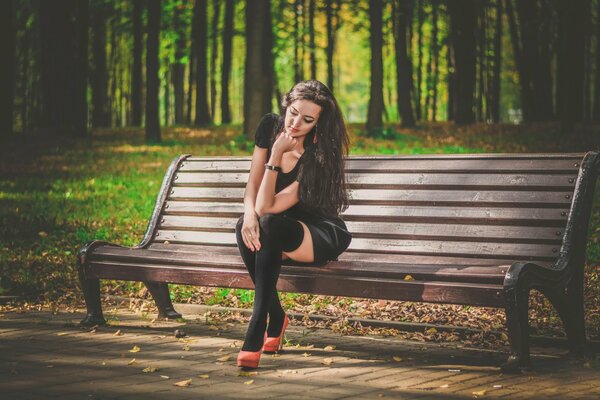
x=160 y=293
x=568 y=302
x=91 y=293
x=517 y=308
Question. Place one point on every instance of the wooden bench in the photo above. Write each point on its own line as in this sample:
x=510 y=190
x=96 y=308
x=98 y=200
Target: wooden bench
x=479 y=230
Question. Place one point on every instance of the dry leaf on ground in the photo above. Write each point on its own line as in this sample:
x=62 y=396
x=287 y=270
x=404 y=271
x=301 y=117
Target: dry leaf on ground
x=250 y=382
x=150 y=369
x=224 y=358
x=135 y=349
x=327 y=361
x=184 y=383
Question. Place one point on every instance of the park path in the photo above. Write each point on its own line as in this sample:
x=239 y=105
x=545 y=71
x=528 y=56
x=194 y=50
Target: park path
x=48 y=356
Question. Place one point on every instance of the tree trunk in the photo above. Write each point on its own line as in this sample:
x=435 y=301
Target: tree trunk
x=463 y=28
x=226 y=67
x=571 y=62
x=178 y=67
x=200 y=44
x=136 y=73
x=192 y=73
x=430 y=63
x=331 y=15
x=375 y=112
x=401 y=18
x=7 y=67
x=596 y=114
x=435 y=49
x=100 y=106
x=311 y=41
x=213 y=57
x=167 y=97
x=81 y=77
x=297 y=40
x=58 y=63
x=420 y=20
x=258 y=78
x=481 y=64
x=152 y=82
x=497 y=60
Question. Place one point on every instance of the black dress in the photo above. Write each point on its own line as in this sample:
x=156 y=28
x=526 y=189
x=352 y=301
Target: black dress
x=330 y=235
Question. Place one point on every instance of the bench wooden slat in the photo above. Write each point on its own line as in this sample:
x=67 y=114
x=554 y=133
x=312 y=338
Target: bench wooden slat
x=545 y=165
x=474 y=273
x=391 y=289
x=404 y=180
x=348 y=256
x=395 y=196
x=500 y=250
x=417 y=214
x=391 y=229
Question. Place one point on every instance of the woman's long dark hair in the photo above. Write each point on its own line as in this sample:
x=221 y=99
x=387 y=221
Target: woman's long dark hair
x=321 y=175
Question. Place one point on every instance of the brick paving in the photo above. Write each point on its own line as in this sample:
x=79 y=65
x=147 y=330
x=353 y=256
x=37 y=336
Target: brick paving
x=48 y=356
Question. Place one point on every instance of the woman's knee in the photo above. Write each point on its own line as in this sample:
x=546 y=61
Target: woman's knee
x=287 y=231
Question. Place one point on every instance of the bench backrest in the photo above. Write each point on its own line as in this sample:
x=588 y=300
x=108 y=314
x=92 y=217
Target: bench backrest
x=434 y=208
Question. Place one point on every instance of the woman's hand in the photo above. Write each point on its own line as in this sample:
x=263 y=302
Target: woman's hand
x=251 y=232
x=284 y=143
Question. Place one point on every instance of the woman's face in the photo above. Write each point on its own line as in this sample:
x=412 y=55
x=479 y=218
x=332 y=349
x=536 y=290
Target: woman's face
x=300 y=117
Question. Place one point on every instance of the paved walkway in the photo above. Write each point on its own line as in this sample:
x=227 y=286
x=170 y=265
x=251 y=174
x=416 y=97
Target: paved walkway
x=45 y=356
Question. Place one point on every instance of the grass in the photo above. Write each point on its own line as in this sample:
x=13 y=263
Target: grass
x=56 y=194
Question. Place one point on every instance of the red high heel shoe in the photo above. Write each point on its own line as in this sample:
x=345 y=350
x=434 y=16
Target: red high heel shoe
x=275 y=344
x=250 y=359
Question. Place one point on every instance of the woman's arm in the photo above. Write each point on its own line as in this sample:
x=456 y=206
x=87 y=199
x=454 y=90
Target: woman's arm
x=267 y=202
x=250 y=229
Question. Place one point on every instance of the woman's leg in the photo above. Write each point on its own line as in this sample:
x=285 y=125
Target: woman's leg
x=276 y=312
x=278 y=233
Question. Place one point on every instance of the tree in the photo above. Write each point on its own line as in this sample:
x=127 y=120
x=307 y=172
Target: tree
x=178 y=67
x=59 y=48
x=213 y=57
x=332 y=12
x=226 y=67
x=258 y=77
x=311 y=41
x=401 y=16
x=7 y=67
x=200 y=42
x=463 y=29
x=571 y=62
x=152 y=82
x=136 y=72
x=375 y=111
x=100 y=107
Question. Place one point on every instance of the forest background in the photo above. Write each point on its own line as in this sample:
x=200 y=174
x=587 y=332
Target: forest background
x=97 y=96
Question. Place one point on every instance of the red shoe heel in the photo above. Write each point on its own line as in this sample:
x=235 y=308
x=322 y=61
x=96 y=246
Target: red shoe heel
x=275 y=344
x=248 y=359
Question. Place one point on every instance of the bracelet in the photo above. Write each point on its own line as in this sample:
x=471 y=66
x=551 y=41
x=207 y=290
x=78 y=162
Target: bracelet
x=273 y=167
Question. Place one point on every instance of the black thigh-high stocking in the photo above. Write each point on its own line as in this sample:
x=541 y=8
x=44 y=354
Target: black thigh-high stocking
x=277 y=233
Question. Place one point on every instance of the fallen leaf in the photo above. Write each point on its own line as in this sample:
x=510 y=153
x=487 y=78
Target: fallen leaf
x=166 y=242
x=62 y=333
x=224 y=358
x=184 y=383
x=131 y=362
x=497 y=386
x=397 y=358
x=305 y=354
x=431 y=331
x=135 y=349
x=250 y=382
x=327 y=361
x=479 y=393
x=329 y=348
x=409 y=278
x=454 y=370
x=186 y=348
x=213 y=328
x=118 y=333
x=203 y=376
x=103 y=362
x=504 y=336
x=164 y=376
x=150 y=369
x=444 y=386
x=248 y=374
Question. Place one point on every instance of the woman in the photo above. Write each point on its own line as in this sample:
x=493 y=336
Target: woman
x=295 y=192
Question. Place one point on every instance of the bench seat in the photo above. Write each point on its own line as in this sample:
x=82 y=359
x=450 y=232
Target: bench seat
x=480 y=229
